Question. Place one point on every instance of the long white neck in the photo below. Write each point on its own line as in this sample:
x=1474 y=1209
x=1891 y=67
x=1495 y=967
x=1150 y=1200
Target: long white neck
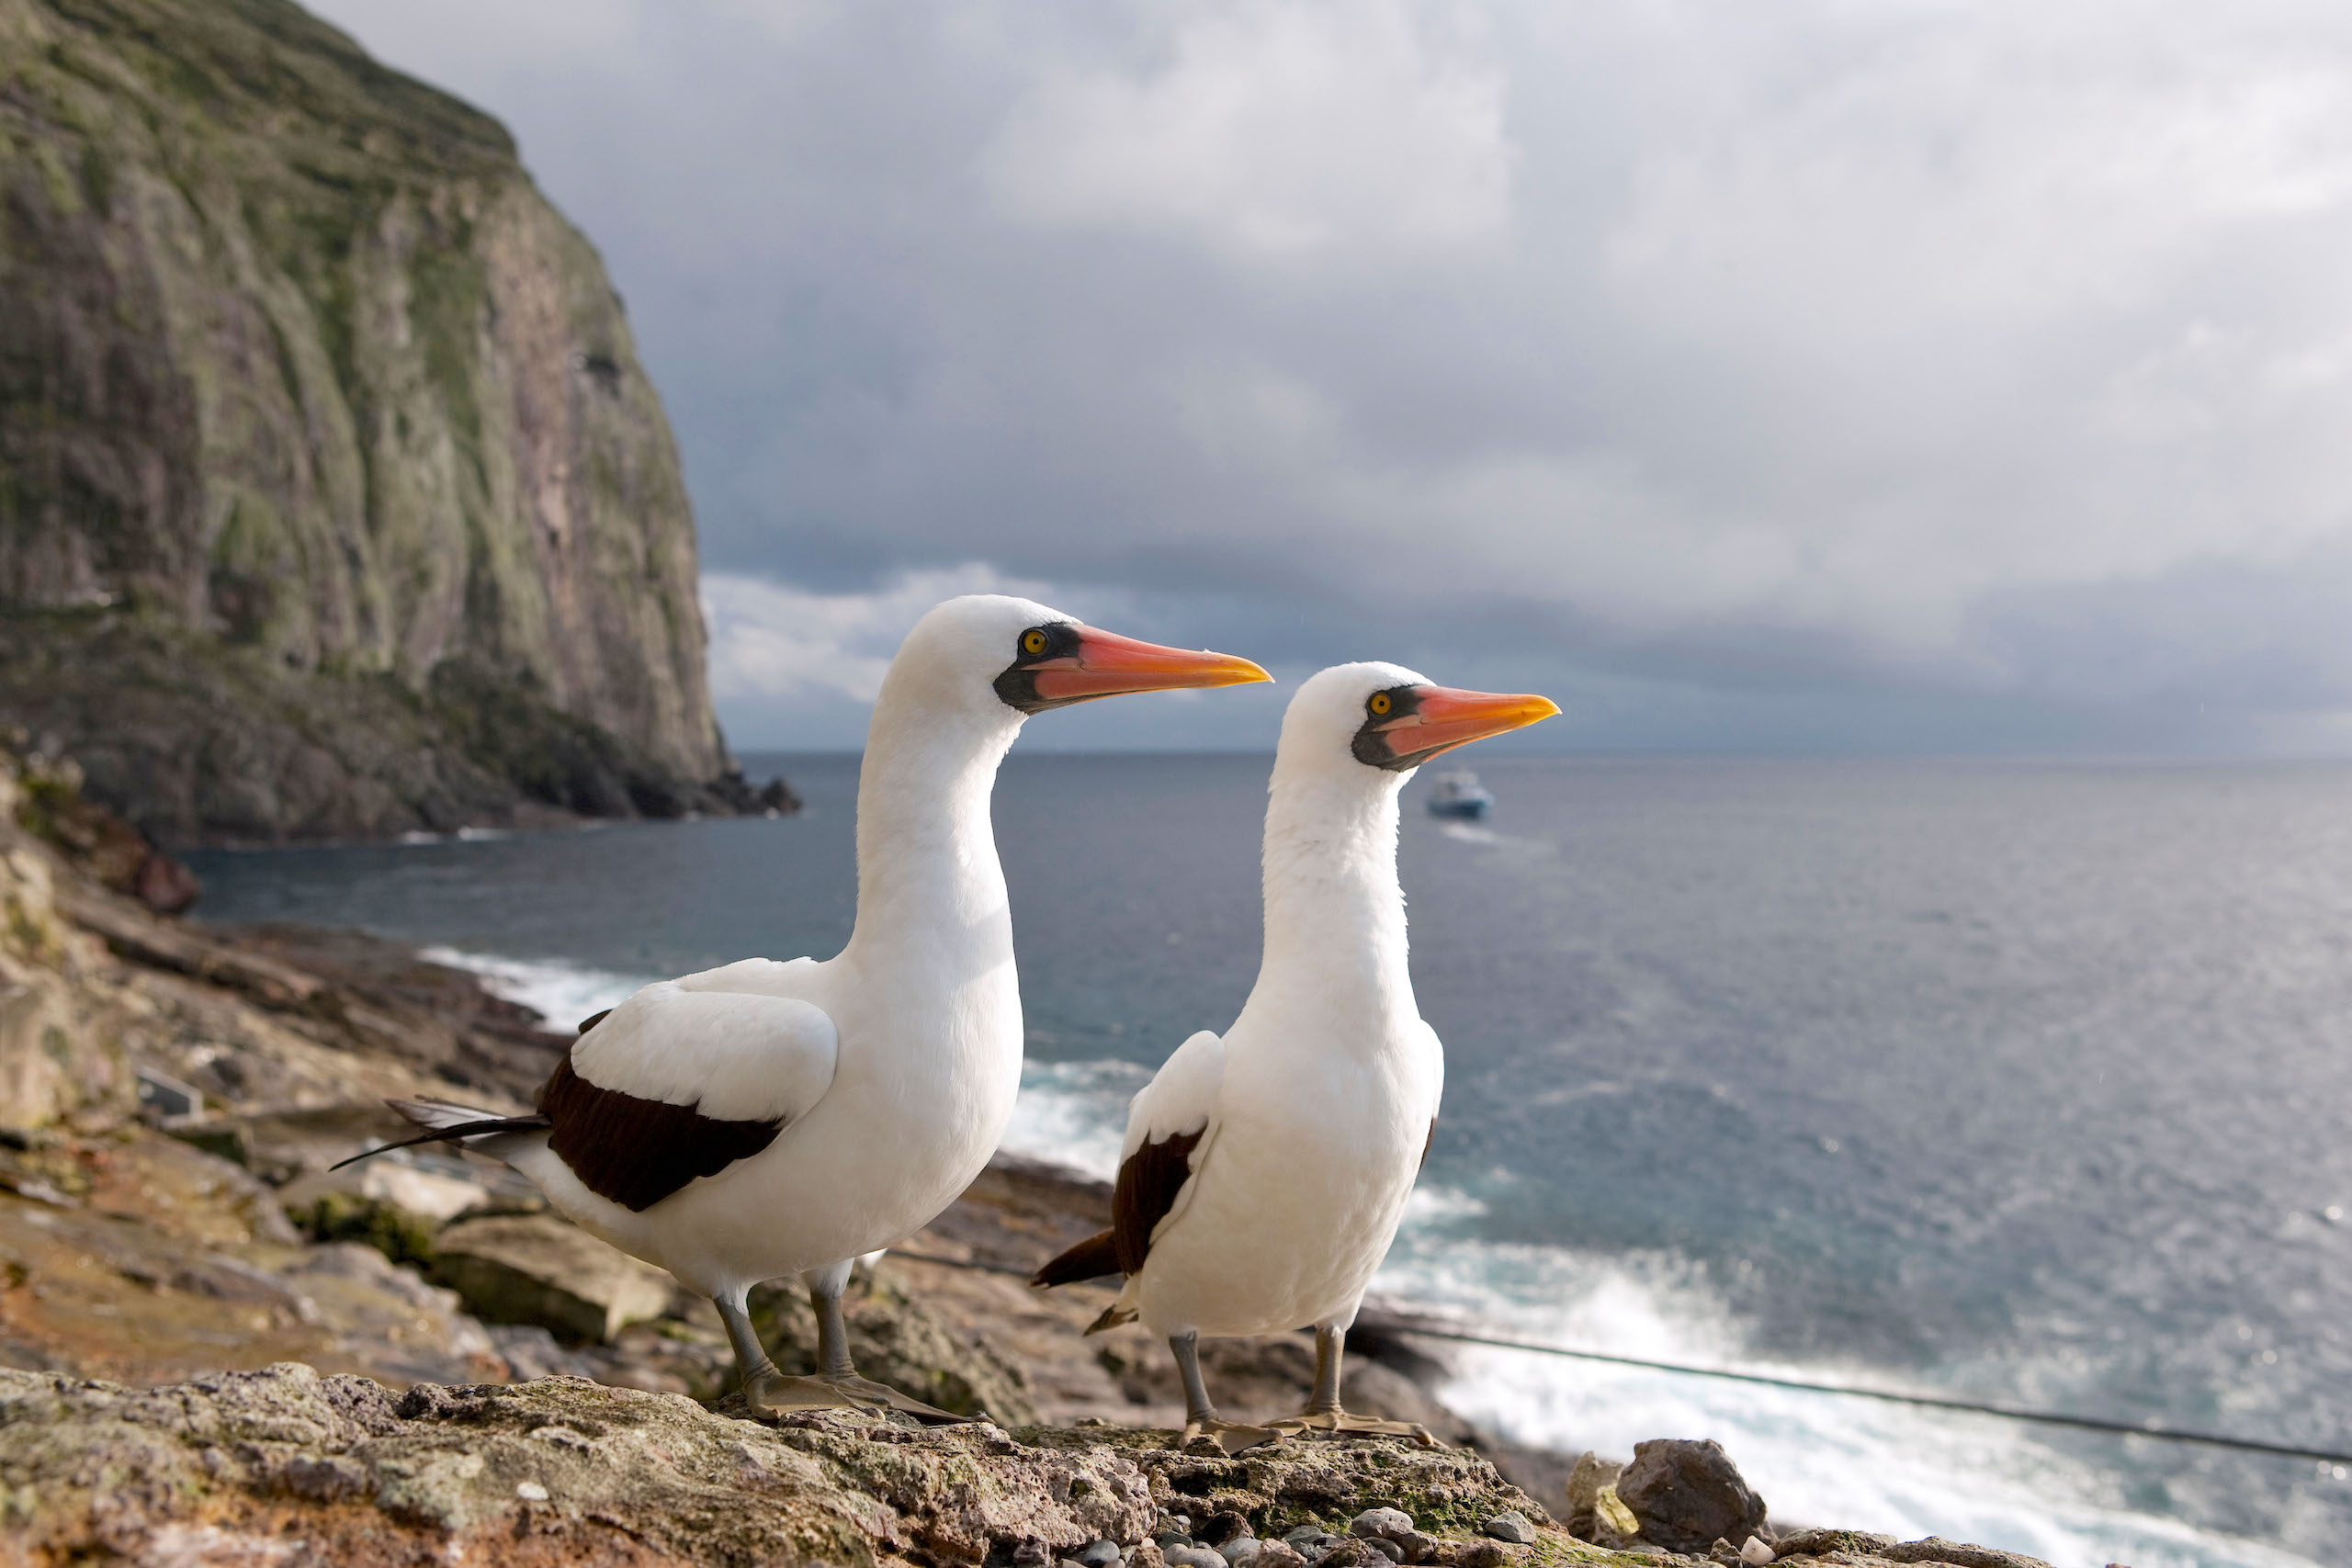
x=930 y=889
x=1335 y=912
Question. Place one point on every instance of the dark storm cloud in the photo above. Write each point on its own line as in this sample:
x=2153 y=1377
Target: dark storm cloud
x=1915 y=374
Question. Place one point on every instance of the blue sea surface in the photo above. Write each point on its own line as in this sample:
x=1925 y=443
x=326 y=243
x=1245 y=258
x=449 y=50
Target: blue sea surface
x=2029 y=1083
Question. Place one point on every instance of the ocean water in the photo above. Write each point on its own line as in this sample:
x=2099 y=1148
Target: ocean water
x=2027 y=1083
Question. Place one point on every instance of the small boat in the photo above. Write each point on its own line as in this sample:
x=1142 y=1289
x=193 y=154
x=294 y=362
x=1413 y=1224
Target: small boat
x=1459 y=793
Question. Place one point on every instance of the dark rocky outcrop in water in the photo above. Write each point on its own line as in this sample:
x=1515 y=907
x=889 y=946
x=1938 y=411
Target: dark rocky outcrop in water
x=333 y=500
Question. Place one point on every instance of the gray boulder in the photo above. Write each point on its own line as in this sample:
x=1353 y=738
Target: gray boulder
x=539 y=1268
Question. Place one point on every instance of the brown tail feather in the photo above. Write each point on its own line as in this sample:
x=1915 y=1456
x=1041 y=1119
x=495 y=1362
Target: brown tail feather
x=1089 y=1259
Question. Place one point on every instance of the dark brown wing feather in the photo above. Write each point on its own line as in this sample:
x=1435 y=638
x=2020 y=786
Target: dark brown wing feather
x=1089 y=1259
x=1425 y=1145
x=1150 y=1179
x=637 y=1151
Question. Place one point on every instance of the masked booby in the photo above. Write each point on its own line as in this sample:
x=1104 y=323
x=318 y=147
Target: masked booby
x=1264 y=1173
x=765 y=1119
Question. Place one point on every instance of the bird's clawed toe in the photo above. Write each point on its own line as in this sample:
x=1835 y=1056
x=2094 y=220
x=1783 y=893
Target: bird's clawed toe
x=872 y=1393
x=771 y=1394
x=1232 y=1437
x=1340 y=1424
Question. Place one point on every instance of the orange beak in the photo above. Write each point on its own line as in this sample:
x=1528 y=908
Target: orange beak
x=1108 y=665
x=1442 y=718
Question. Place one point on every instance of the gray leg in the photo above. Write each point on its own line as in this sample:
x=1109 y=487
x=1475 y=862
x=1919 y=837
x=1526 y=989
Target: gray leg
x=751 y=1356
x=835 y=1385
x=1198 y=1411
x=1330 y=1345
x=1200 y=1416
x=825 y=1287
x=1324 y=1412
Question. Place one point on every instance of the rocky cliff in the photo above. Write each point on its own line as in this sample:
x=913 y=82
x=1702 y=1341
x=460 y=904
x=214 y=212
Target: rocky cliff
x=332 y=497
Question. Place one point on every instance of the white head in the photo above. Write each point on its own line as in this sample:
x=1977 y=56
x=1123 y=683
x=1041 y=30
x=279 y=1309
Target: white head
x=1371 y=724
x=997 y=659
x=1350 y=737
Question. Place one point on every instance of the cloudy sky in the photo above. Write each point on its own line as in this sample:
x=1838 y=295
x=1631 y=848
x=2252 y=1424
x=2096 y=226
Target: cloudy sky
x=1905 y=375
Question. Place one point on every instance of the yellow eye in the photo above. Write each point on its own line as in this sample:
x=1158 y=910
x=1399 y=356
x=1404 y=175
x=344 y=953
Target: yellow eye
x=1032 y=642
x=1380 y=704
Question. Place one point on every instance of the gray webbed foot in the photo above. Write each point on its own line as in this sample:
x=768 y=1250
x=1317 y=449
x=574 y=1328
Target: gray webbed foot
x=769 y=1394
x=1340 y=1424
x=866 y=1389
x=1231 y=1436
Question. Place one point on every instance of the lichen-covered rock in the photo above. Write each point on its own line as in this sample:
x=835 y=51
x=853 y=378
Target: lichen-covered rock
x=288 y=1467
x=1326 y=1483
x=339 y=1472
x=540 y=1269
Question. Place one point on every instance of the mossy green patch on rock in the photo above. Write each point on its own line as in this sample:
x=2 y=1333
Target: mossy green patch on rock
x=1323 y=1482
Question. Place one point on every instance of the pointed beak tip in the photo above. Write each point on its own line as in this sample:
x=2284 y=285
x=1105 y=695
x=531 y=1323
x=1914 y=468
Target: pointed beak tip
x=1246 y=673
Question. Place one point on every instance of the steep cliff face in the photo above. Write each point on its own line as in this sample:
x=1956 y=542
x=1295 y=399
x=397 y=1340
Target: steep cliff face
x=294 y=356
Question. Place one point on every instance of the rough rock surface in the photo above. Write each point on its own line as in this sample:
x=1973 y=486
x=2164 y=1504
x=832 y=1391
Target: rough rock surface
x=542 y=1269
x=1689 y=1495
x=283 y=1465
x=333 y=499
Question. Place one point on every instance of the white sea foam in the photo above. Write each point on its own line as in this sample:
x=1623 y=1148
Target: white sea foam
x=1075 y=1113
x=1487 y=837
x=1817 y=1458
x=561 y=992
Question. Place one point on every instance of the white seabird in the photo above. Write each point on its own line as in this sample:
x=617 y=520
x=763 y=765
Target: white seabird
x=1263 y=1174
x=764 y=1118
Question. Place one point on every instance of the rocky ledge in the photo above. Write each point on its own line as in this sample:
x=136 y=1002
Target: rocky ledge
x=289 y=1468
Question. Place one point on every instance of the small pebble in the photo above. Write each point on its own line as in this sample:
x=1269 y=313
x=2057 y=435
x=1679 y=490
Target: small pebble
x=1305 y=1536
x=1382 y=1524
x=1481 y=1554
x=1386 y=1548
x=1511 y=1527
x=1756 y=1553
x=1101 y=1554
x=530 y=1492
x=1242 y=1550
x=1184 y=1554
x=1278 y=1555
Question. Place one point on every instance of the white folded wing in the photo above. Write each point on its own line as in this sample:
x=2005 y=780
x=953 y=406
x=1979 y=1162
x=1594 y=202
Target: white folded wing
x=1180 y=1100
x=731 y=1041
